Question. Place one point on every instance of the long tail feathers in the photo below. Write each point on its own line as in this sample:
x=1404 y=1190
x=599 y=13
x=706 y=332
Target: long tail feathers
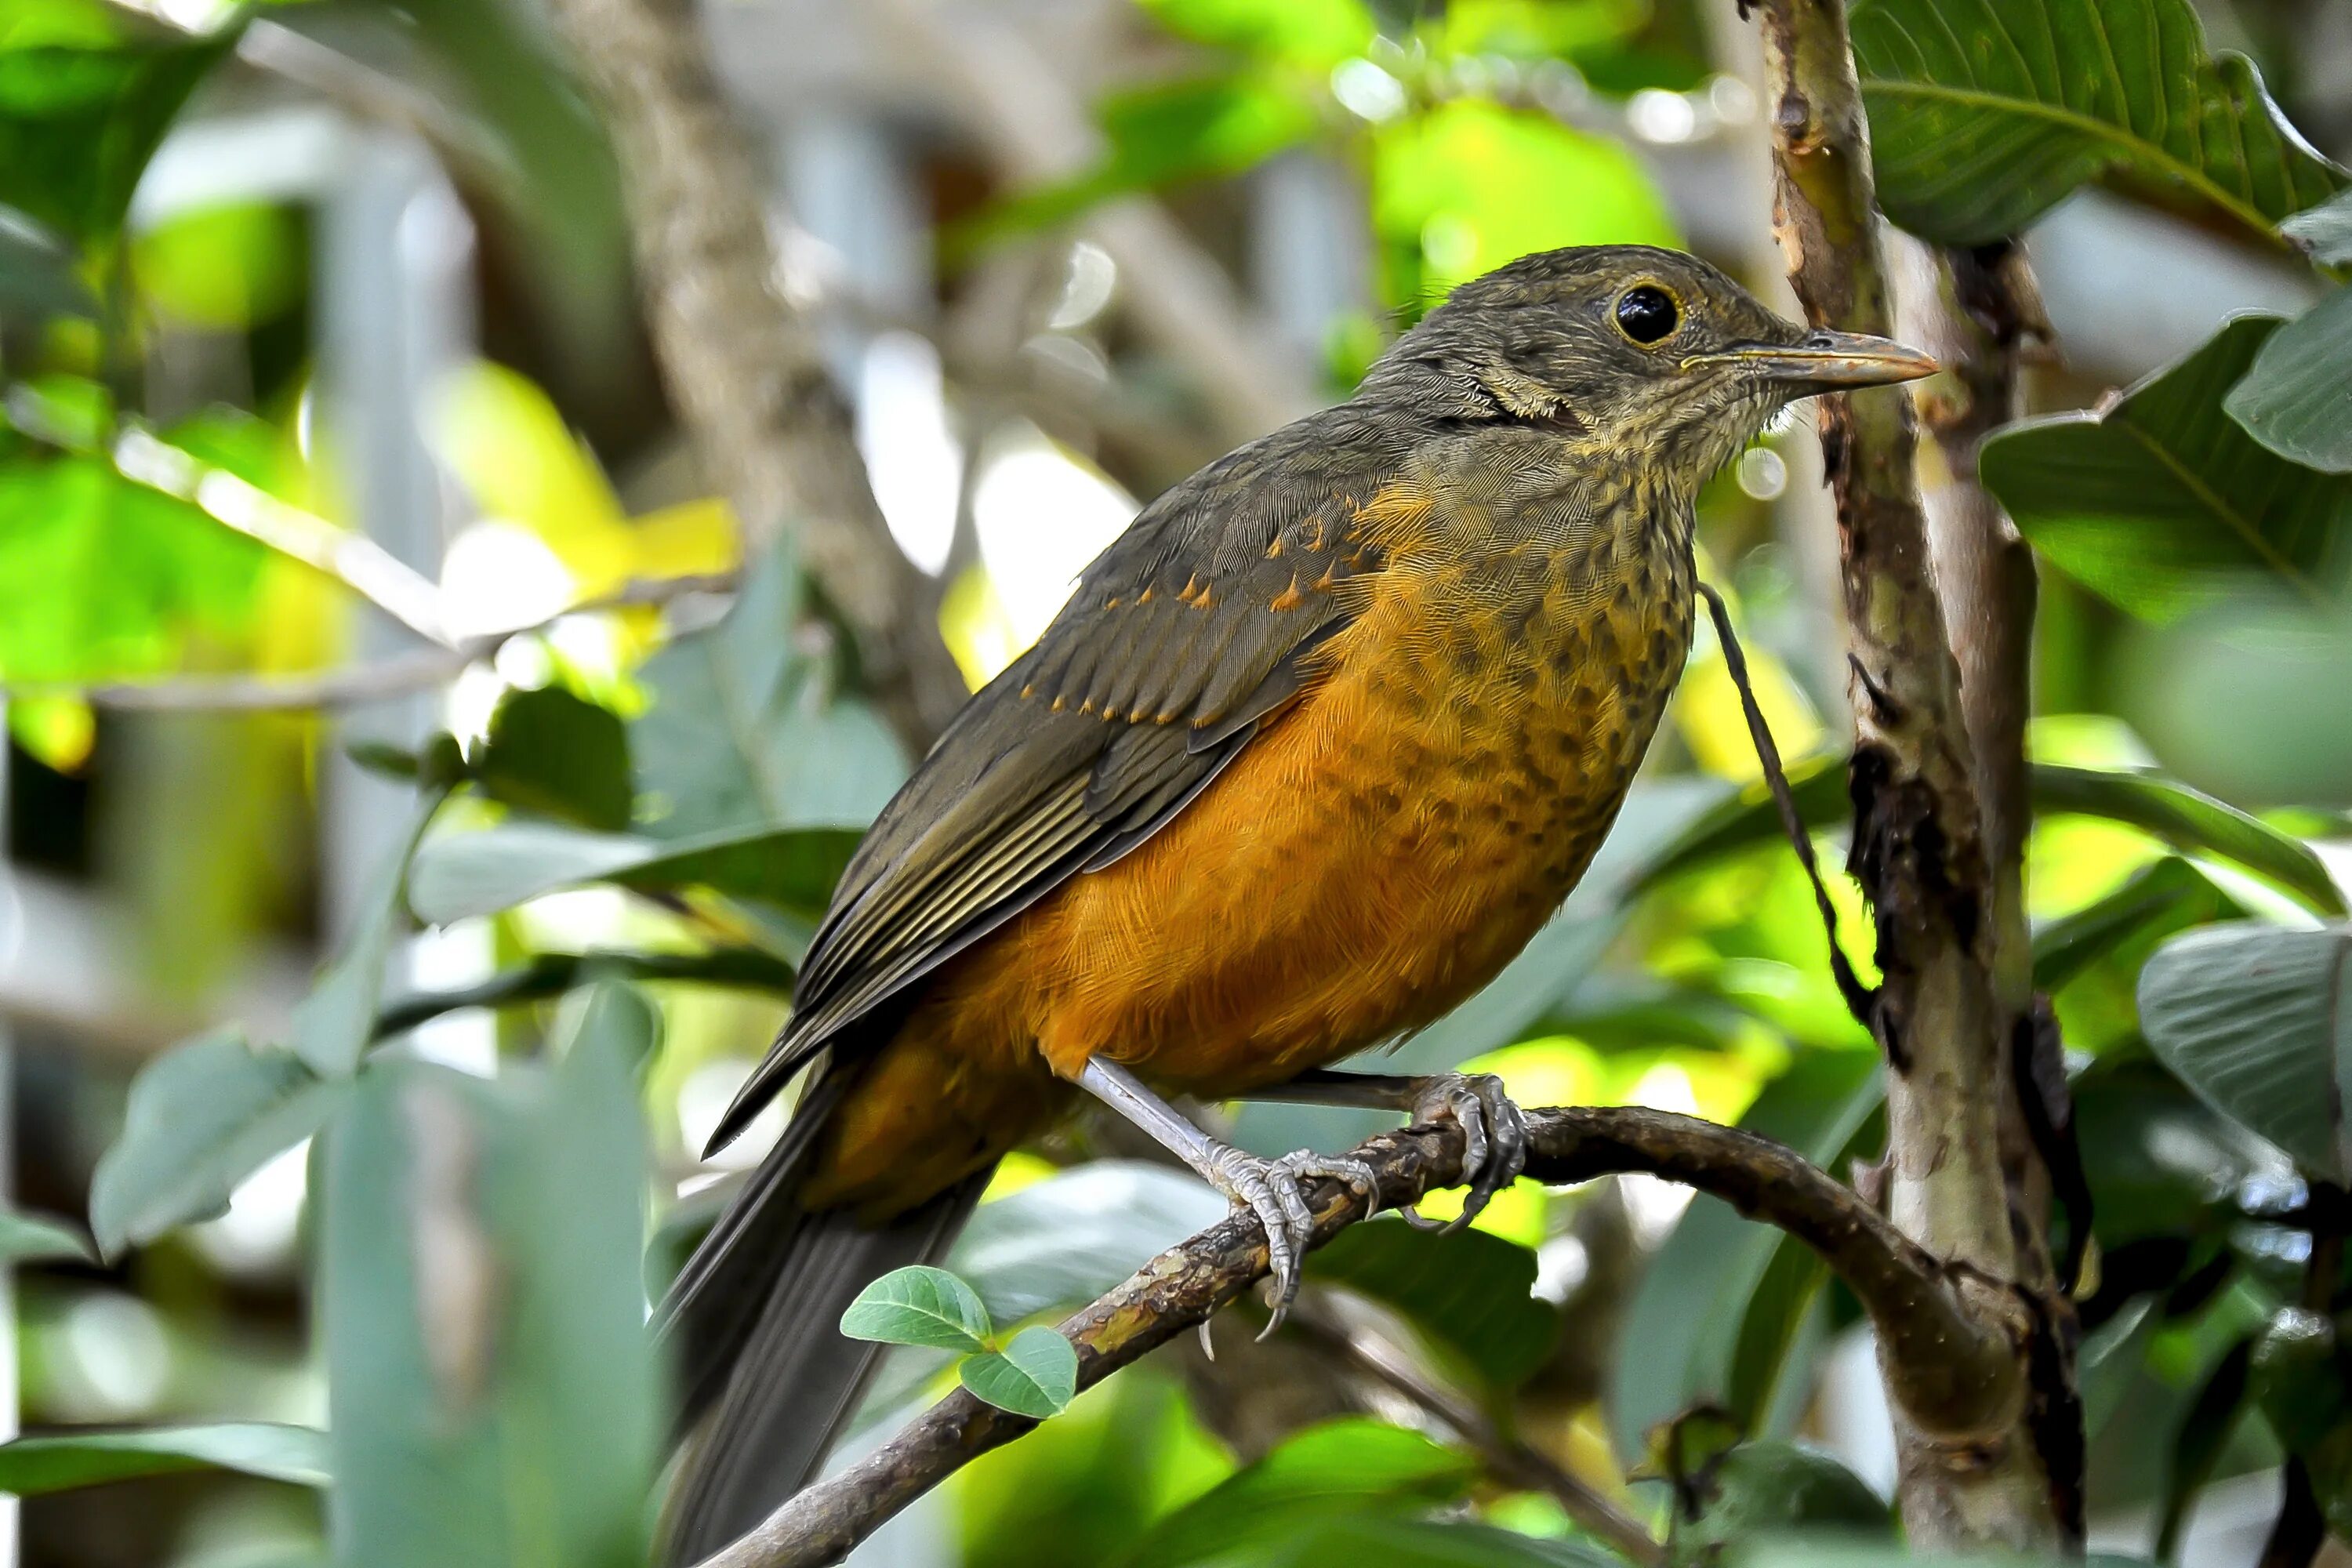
x=767 y=1380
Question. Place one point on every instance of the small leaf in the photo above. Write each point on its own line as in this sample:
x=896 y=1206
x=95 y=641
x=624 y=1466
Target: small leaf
x=1985 y=113
x=2250 y=1017
x=30 y=1238
x=202 y=1116
x=560 y=755
x=56 y=1461
x=2297 y=398
x=918 y=1305
x=2324 y=231
x=1035 y=1374
x=2160 y=503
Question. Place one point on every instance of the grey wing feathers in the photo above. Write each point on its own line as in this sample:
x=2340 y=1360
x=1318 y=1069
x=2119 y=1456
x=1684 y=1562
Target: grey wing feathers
x=1197 y=624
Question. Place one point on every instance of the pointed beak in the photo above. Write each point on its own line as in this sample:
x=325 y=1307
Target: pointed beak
x=1825 y=361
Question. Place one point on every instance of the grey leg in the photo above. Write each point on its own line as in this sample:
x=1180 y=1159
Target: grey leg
x=1494 y=1133
x=1270 y=1189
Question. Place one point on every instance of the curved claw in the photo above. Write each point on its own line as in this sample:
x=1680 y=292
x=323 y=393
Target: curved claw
x=1274 y=1191
x=1494 y=1138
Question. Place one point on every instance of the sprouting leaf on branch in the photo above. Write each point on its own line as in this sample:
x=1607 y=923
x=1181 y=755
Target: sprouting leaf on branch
x=1035 y=1374
x=1984 y=114
x=2160 y=503
x=918 y=1305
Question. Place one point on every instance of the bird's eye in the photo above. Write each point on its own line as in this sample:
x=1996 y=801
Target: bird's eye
x=1646 y=313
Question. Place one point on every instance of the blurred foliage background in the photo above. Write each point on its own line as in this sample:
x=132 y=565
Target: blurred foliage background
x=325 y=404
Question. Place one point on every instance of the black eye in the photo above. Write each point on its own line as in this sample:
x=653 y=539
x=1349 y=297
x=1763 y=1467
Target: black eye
x=1647 y=313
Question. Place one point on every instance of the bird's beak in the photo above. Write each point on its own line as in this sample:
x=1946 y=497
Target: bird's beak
x=1824 y=360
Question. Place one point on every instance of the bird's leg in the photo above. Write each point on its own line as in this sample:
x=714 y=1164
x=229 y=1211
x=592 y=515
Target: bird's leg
x=1270 y=1189
x=1494 y=1132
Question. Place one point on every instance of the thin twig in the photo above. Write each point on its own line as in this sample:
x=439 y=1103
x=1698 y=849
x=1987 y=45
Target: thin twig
x=1512 y=1461
x=1945 y=1340
x=1860 y=1000
x=358 y=684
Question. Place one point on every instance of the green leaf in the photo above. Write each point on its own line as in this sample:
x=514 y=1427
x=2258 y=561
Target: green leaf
x=2324 y=231
x=1061 y=1242
x=1035 y=1374
x=491 y=1382
x=58 y=1461
x=1348 y=1467
x=33 y=1238
x=2251 y=1017
x=1768 y=1486
x=465 y=874
x=1985 y=113
x=1468 y=1292
x=202 y=1116
x=560 y=755
x=742 y=732
x=1724 y=1299
x=2188 y=820
x=2297 y=398
x=2168 y=896
x=336 y=1022
x=83 y=104
x=1313 y=33
x=2159 y=501
x=919 y=1305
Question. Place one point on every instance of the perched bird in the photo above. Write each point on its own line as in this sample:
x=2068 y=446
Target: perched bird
x=1317 y=745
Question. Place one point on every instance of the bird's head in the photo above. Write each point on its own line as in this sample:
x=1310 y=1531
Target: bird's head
x=1651 y=353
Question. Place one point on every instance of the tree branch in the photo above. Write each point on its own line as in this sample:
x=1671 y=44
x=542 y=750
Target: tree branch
x=750 y=387
x=1918 y=848
x=1935 y=1328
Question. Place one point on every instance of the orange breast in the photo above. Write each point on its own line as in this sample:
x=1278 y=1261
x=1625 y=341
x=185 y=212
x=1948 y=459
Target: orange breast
x=1380 y=850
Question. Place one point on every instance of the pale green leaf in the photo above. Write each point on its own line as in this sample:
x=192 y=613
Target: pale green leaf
x=2297 y=398
x=918 y=1305
x=1035 y=1374
x=56 y=1461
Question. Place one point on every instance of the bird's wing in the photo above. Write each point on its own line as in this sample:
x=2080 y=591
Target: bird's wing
x=1185 y=635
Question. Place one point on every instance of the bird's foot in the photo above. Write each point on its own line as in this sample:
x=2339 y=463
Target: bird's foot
x=1493 y=1136
x=1275 y=1191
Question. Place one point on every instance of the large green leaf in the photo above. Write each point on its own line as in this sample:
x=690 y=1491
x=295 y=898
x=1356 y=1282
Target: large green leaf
x=742 y=732
x=465 y=874
x=56 y=1461
x=2251 y=1017
x=203 y=1117
x=1340 y=1468
x=1469 y=1293
x=560 y=755
x=2297 y=398
x=1722 y=1305
x=491 y=1382
x=1985 y=113
x=2159 y=502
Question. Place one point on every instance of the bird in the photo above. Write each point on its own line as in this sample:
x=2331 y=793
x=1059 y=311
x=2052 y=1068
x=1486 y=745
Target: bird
x=1314 y=748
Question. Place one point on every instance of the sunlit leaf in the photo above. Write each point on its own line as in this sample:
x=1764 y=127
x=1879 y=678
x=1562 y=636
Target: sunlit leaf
x=2296 y=399
x=58 y=1461
x=1305 y=32
x=227 y=268
x=2251 y=1017
x=1340 y=1468
x=202 y=1116
x=2159 y=501
x=1469 y=1293
x=920 y=1305
x=1034 y=1374
x=1985 y=113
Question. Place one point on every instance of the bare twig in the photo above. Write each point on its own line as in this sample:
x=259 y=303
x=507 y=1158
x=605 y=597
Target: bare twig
x=1511 y=1459
x=749 y=385
x=358 y=684
x=1946 y=1340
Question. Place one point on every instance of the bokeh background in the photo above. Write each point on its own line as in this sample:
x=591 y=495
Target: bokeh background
x=376 y=279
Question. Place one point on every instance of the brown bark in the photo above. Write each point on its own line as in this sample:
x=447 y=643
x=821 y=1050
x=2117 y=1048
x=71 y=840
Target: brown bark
x=742 y=371
x=1918 y=843
x=1949 y=1343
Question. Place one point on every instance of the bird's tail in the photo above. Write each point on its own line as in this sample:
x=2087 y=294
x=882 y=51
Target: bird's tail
x=753 y=1323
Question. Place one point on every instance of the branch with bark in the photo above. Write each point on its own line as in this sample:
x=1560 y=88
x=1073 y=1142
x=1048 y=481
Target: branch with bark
x=1949 y=1339
x=744 y=374
x=1919 y=839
